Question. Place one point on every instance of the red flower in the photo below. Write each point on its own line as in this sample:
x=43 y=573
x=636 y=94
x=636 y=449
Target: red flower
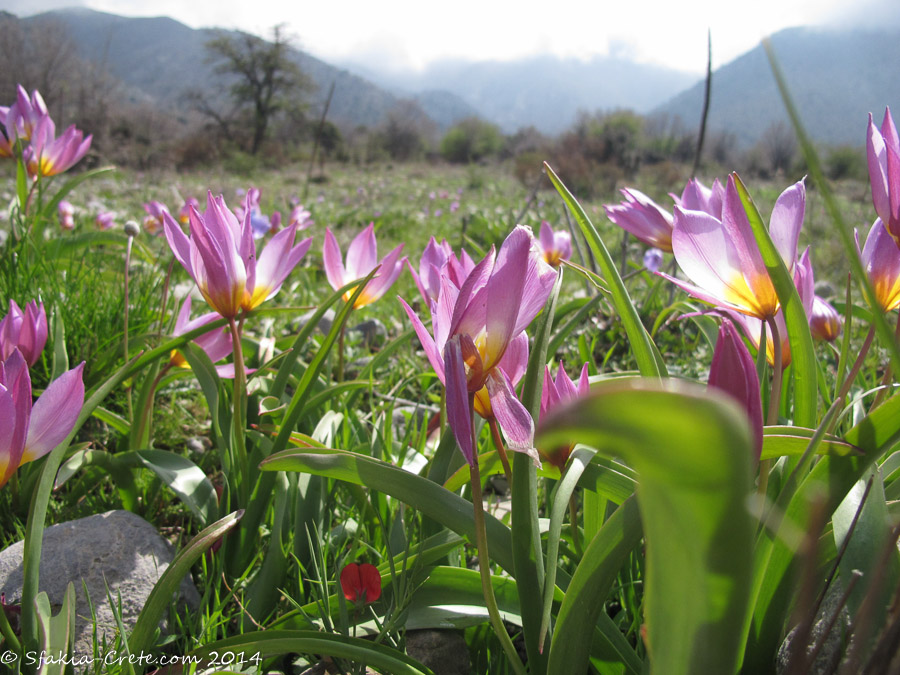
x=361 y=583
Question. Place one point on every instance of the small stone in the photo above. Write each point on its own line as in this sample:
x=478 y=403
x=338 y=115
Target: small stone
x=444 y=651
x=324 y=324
x=118 y=550
x=372 y=331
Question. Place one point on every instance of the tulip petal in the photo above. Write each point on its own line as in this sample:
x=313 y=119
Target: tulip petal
x=514 y=419
x=331 y=261
x=708 y=255
x=179 y=243
x=459 y=406
x=362 y=254
x=881 y=259
x=734 y=372
x=390 y=268
x=469 y=311
x=10 y=452
x=876 y=157
x=428 y=344
x=786 y=221
x=504 y=294
x=539 y=281
x=515 y=359
x=54 y=414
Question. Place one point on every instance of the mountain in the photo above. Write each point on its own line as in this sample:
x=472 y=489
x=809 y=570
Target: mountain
x=836 y=77
x=545 y=92
x=160 y=60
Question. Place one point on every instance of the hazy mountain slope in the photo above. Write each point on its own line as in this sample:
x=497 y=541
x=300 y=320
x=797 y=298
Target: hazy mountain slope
x=836 y=78
x=544 y=91
x=162 y=60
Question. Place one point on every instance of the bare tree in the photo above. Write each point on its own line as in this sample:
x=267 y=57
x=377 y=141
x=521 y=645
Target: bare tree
x=264 y=79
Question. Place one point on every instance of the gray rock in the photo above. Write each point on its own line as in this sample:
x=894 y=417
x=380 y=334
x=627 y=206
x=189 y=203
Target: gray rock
x=118 y=550
x=834 y=646
x=444 y=651
x=324 y=324
x=372 y=331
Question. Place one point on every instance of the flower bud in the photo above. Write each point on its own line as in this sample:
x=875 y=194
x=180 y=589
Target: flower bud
x=132 y=229
x=734 y=372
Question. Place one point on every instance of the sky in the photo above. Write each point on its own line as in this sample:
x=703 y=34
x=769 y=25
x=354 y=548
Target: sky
x=409 y=34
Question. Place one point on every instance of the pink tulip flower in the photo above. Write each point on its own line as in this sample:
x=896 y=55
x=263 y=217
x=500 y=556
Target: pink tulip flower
x=825 y=323
x=105 y=220
x=722 y=259
x=153 y=221
x=555 y=393
x=644 y=218
x=697 y=197
x=220 y=256
x=439 y=260
x=184 y=213
x=557 y=244
x=217 y=343
x=474 y=327
x=31 y=430
x=881 y=260
x=362 y=258
x=66 y=214
x=25 y=331
x=300 y=217
x=883 y=154
x=48 y=155
x=733 y=371
x=25 y=114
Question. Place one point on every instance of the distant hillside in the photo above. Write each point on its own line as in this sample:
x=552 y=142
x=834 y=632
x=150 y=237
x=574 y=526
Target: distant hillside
x=544 y=91
x=836 y=78
x=161 y=60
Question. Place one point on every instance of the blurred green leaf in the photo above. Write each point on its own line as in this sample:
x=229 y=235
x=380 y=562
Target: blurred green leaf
x=692 y=452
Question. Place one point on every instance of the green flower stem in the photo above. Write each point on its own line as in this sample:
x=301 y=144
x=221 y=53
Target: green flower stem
x=484 y=566
x=238 y=421
x=501 y=449
x=774 y=400
x=125 y=319
x=777 y=374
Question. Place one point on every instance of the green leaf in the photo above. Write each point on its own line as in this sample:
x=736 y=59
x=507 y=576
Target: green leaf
x=57 y=632
x=357 y=650
x=640 y=341
x=782 y=441
x=141 y=639
x=692 y=452
x=576 y=465
x=185 y=479
x=803 y=353
x=60 y=361
x=588 y=589
x=868 y=541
